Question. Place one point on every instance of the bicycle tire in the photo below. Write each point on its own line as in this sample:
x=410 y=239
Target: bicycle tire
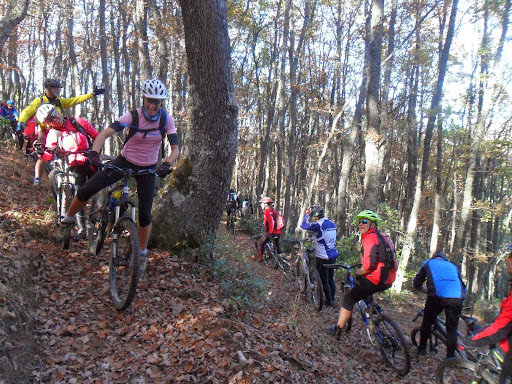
x=66 y=193
x=345 y=287
x=300 y=276
x=452 y=371
x=393 y=344
x=317 y=292
x=54 y=185
x=124 y=264
x=98 y=220
x=286 y=268
x=232 y=221
x=268 y=256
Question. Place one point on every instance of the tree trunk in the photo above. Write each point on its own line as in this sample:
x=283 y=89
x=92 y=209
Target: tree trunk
x=373 y=138
x=191 y=206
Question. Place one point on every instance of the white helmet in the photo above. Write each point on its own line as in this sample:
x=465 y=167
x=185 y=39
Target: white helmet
x=44 y=111
x=154 y=89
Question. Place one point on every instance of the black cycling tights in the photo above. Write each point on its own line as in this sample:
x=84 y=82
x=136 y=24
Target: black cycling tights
x=145 y=187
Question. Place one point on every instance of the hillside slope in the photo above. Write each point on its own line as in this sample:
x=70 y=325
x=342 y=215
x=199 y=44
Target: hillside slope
x=186 y=325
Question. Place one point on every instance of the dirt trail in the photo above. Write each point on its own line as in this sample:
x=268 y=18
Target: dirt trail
x=57 y=324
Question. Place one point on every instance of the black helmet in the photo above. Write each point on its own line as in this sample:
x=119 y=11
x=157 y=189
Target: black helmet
x=317 y=212
x=441 y=255
x=51 y=83
x=231 y=190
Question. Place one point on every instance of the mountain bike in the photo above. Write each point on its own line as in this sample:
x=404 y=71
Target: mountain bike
x=380 y=328
x=485 y=369
x=306 y=274
x=63 y=181
x=439 y=335
x=233 y=212
x=273 y=259
x=113 y=214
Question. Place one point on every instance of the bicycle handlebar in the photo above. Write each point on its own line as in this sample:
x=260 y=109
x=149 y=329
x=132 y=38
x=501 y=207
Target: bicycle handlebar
x=129 y=171
x=344 y=266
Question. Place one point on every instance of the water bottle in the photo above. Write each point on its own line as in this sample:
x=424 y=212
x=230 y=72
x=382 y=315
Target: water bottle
x=114 y=198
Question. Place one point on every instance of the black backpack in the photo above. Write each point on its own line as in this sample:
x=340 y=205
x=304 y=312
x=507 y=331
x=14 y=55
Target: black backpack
x=134 y=127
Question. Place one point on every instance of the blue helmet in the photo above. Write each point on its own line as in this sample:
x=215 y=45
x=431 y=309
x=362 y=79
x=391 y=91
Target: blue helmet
x=9 y=102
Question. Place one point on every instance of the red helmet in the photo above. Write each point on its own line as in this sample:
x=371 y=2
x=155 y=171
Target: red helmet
x=266 y=200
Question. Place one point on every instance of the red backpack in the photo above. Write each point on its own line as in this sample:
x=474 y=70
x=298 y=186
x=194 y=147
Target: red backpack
x=279 y=220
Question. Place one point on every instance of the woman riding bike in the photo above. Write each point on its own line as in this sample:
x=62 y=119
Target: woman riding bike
x=140 y=151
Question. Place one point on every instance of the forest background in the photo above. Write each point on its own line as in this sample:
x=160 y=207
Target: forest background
x=396 y=106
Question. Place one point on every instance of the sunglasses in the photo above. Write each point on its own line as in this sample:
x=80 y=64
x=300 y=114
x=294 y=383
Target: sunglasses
x=364 y=221
x=153 y=101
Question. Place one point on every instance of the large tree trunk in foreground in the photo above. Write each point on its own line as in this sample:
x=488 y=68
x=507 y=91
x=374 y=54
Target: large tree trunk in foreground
x=190 y=208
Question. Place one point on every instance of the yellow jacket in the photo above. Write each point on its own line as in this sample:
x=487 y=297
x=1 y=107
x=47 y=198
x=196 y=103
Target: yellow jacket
x=65 y=103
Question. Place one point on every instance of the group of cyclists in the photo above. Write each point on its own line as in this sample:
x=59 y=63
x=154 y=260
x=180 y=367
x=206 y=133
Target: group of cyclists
x=444 y=286
x=145 y=129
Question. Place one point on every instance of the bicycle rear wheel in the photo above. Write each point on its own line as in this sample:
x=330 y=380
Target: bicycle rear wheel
x=457 y=371
x=124 y=264
x=317 y=295
x=98 y=219
x=393 y=345
x=269 y=257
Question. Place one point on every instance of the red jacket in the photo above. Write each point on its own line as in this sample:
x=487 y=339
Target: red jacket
x=69 y=139
x=269 y=221
x=500 y=330
x=370 y=252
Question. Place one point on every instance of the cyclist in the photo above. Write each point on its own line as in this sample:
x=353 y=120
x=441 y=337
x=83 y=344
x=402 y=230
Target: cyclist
x=325 y=248
x=247 y=209
x=373 y=276
x=9 y=112
x=232 y=203
x=69 y=134
x=501 y=330
x=140 y=151
x=51 y=96
x=445 y=290
x=271 y=232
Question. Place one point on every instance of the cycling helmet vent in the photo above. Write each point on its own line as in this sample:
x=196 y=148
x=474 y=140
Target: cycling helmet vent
x=154 y=89
x=368 y=214
x=44 y=111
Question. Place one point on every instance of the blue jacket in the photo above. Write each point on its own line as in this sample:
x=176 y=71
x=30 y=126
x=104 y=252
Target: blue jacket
x=325 y=237
x=10 y=114
x=443 y=279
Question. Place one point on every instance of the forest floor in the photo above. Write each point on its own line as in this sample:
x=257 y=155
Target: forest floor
x=242 y=323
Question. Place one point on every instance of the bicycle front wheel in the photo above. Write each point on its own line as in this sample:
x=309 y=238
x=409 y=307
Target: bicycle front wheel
x=66 y=194
x=317 y=295
x=98 y=220
x=124 y=264
x=287 y=269
x=300 y=275
x=455 y=371
x=393 y=345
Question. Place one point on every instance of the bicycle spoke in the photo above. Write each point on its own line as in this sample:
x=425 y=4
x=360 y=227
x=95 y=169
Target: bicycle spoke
x=456 y=371
x=124 y=265
x=392 y=344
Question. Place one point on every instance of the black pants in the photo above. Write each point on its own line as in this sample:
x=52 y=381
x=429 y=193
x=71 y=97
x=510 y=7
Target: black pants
x=362 y=289
x=433 y=307
x=145 y=187
x=327 y=277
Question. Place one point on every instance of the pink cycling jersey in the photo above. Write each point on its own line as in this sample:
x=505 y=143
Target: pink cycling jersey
x=140 y=150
